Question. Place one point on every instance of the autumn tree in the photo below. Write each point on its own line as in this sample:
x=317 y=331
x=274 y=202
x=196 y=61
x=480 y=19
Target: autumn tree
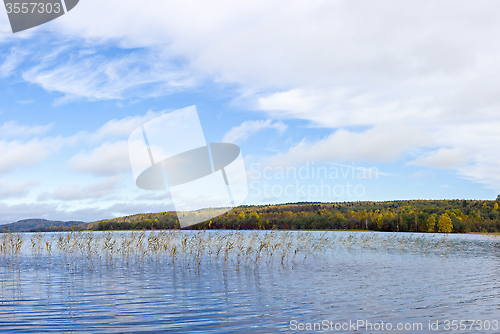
x=444 y=224
x=431 y=224
x=380 y=222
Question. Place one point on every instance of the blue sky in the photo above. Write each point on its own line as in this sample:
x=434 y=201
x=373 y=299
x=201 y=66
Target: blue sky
x=406 y=89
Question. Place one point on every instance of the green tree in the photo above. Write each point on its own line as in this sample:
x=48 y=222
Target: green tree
x=444 y=224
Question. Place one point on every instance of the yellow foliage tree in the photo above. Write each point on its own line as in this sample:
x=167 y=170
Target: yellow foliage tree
x=431 y=224
x=253 y=215
x=485 y=207
x=380 y=221
x=444 y=224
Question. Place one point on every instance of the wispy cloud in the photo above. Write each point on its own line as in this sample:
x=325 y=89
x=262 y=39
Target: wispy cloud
x=13 y=129
x=123 y=127
x=98 y=77
x=24 y=102
x=248 y=128
x=81 y=70
x=12 y=61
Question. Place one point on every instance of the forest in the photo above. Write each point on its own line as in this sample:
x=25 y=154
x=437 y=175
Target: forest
x=430 y=216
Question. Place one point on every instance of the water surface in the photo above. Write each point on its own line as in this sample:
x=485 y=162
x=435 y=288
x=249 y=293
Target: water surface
x=360 y=276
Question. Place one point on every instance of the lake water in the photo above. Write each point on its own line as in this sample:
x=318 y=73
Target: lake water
x=357 y=281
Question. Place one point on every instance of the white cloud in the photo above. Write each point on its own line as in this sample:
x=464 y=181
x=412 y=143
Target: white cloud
x=248 y=128
x=8 y=190
x=341 y=107
x=106 y=160
x=422 y=78
x=461 y=148
x=17 y=153
x=109 y=158
x=74 y=192
x=444 y=158
x=13 y=129
x=286 y=44
x=379 y=144
x=466 y=148
x=274 y=46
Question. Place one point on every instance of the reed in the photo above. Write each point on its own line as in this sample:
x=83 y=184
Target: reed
x=199 y=248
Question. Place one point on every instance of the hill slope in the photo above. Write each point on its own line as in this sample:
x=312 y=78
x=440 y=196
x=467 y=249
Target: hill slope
x=29 y=225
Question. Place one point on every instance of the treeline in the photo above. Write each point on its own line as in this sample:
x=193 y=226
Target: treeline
x=61 y=228
x=432 y=216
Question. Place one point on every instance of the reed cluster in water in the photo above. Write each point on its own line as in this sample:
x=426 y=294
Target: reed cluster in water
x=194 y=248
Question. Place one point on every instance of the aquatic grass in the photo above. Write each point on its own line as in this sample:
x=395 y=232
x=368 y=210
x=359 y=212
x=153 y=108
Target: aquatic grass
x=10 y=248
x=230 y=249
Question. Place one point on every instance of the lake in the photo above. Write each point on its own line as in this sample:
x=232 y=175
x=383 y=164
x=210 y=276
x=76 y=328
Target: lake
x=249 y=282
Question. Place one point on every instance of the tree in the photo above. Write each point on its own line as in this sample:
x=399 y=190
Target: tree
x=485 y=207
x=431 y=224
x=380 y=222
x=444 y=224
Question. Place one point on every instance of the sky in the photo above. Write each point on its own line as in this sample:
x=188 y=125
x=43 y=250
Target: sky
x=328 y=100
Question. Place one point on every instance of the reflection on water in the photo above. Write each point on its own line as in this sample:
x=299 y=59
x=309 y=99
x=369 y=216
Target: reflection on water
x=374 y=277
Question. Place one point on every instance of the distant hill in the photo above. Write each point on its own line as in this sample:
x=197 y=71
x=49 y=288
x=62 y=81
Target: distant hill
x=33 y=225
